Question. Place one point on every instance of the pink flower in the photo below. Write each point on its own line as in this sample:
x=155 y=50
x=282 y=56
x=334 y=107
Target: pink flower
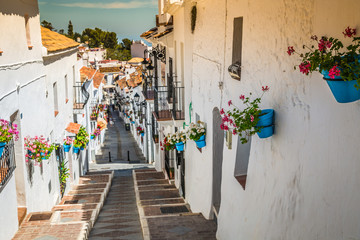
x=305 y=67
x=349 y=32
x=266 y=88
x=222 y=126
x=323 y=44
x=252 y=118
x=290 y=50
x=222 y=111
x=334 y=71
x=242 y=97
x=38 y=154
x=226 y=128
x=234 y=132
x=225 y=119
x=229 y=102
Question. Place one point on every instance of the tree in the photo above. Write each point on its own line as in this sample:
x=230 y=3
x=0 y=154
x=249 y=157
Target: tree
x=47 y=24
x=70 y=29
x=126 y=43
x=61 y=31
x=76 y=36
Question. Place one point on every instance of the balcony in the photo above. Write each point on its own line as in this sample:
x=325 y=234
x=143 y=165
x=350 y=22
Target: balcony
x=148 y=93
x=162 y=110
x=164 y=20
x=7 y=164
x=81 y=96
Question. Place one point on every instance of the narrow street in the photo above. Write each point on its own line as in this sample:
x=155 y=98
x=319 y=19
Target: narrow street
x=141 y=203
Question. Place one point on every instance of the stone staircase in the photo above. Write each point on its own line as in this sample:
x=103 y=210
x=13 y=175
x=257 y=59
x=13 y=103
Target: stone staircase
x=74 y=216
x=164 y=214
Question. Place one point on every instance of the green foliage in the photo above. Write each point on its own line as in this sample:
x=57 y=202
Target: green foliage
x=126 y=43
x=196 y=131
x=70 y=32
x=82 y=138
x=63 y=176
x=47 y=24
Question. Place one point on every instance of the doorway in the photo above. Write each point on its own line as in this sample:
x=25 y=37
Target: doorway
x=218 y=146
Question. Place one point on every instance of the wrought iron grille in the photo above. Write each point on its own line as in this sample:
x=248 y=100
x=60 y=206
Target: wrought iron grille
x=178 y=103
x=168 y=168
x=161 y=104
x=7 y=164
x=81 y=96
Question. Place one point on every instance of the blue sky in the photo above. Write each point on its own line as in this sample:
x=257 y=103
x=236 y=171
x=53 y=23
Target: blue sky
x=127 y=18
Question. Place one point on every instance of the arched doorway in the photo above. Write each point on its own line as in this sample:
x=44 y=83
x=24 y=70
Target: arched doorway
x=218 y=146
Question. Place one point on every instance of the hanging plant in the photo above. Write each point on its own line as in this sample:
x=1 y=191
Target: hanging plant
x=63 y=175
x=193 y=18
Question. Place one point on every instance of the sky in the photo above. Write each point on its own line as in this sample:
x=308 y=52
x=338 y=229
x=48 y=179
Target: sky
x=127 y=18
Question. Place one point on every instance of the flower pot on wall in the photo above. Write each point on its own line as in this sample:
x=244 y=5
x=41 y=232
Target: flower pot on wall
x=266 y=120
x=2 y=147
x=201 y=142
x=343 y=91
x=76 y=150
x=142 y=134
x=67 y=148
x=180 y=146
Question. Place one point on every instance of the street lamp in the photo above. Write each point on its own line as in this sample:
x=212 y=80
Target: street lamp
x=137 y=97
x=144 y=64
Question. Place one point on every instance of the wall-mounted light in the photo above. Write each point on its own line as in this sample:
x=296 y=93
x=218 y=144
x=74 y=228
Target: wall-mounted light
x=235 y=71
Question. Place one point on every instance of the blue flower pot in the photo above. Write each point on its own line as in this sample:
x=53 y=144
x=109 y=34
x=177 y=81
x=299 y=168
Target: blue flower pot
x=81 y=148
x=67 y=148
x=142 y=134
x=180 y=146
x=43 y=156
x=201 y=142
x=92 y=137
x=2 y=147
x=76 y=150
x=133 y=122
x=343 y=91
x=266 y=120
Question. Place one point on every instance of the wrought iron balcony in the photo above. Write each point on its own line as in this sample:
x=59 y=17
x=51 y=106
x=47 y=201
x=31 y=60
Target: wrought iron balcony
x=81 y=96
x=7 y=164
x=161 y=106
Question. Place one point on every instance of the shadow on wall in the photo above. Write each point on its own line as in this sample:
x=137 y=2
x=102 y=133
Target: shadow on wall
x=12 y=8
x=30 y=171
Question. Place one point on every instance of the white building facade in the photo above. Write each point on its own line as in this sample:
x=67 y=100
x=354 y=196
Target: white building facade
x=301 y=183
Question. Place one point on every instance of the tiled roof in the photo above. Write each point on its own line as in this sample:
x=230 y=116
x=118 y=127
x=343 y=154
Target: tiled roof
x=167 y=31
x=73 y=128
x=135 y=60
x=122 y=83
x=148 y=34
x=54 y=41
x=109 y=69
x=88 y=73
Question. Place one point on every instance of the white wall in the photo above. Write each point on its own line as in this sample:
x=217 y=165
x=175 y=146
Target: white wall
x=302 y=182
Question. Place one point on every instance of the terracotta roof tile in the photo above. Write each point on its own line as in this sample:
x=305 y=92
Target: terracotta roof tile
x=109 y=69
x=122 y=83
x=73 y=128
x=135 y=60
x=54 y=41
x=88 y=73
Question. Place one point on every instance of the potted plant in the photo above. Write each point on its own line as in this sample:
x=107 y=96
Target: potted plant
x=339 y=66
x=7 y=132
x=140 y=131
x=178 y=139
x=76 y=146
x=197 y=133
x=38 y=148
x=81 y=139
x=167 y=144
x=94 y=116
x=67 y=144
x=96 y=132
x=250 y=120
x=63 y=175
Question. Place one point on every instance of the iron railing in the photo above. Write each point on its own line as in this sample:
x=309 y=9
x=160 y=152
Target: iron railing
x=169 y=170
x=7 y=163
x=170 y=83
x=154 y=129
x=161 y=105
x=178 y=103
x=81 y=96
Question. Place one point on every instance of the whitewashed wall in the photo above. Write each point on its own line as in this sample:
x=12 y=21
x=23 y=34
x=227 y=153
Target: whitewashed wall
x=302 y=182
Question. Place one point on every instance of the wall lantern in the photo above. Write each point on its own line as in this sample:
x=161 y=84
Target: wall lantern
x=235 y=71
x=137 y=97
x=144 y=64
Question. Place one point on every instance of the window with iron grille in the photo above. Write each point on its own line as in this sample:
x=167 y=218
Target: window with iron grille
x=7 y=164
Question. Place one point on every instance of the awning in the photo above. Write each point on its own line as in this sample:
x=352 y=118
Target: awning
x=73 y=128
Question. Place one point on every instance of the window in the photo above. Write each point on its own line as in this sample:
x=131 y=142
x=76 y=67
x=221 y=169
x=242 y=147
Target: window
x=242 y=162
x=27 y=29
x=66 y=89
x=56 y=106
